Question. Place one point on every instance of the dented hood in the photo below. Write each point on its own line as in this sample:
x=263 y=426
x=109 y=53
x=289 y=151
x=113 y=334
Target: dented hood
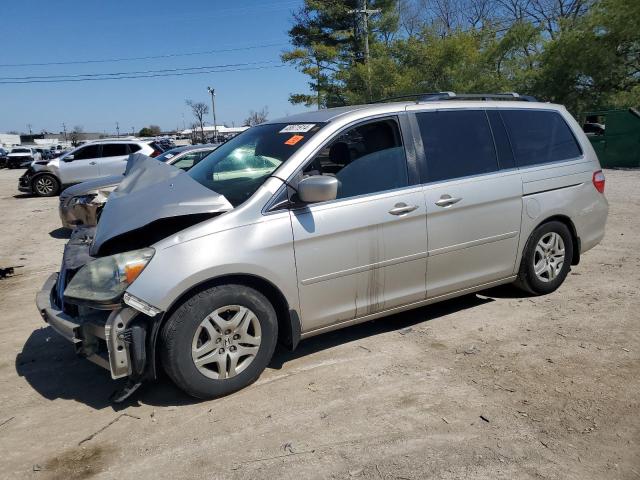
x=151 y=191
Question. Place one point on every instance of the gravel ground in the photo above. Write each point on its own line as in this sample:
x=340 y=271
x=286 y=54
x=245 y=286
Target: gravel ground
x=490 y=386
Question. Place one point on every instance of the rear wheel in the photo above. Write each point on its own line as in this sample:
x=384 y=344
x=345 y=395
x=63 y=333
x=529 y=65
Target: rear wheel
x=45 y=185
x=546 y=259
x=219 y=341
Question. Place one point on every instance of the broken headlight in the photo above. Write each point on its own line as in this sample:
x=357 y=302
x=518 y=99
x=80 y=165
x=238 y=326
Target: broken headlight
x=102 y=282
x=84 y=199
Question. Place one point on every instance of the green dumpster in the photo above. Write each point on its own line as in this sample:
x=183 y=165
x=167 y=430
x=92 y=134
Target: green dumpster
x=615 y=136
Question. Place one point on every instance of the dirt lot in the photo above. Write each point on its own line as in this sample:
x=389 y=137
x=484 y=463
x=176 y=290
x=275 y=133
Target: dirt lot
x=495 y=385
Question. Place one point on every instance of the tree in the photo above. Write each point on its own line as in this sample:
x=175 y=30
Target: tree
x=582 y=53
x=150 y=131
x=596 y=64
x=75 y=135
x=199 y=110
x=256 y=118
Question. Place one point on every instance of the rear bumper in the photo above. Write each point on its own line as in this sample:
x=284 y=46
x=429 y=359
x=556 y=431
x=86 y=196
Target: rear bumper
x=102 y=337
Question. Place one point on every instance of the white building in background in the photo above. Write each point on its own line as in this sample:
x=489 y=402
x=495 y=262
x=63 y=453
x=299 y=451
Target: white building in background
x=222 y=130
x=9 y=139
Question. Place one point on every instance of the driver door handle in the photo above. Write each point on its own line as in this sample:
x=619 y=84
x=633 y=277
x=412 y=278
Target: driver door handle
x=402 y=208
x=447 y=200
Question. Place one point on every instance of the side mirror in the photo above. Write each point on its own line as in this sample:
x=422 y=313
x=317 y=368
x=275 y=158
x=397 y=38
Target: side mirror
x=68 y=158
x=318 y=188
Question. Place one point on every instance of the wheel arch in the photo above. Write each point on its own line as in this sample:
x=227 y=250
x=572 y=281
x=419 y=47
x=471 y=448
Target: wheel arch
x=289 y=326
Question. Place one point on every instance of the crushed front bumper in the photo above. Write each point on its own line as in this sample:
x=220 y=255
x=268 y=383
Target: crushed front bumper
x=106 y=338
x=24 y=182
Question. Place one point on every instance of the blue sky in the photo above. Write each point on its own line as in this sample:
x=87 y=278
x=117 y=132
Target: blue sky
x=39 y=31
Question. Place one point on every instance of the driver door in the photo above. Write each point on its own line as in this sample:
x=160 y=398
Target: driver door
x=84 y=165
x=365 y=251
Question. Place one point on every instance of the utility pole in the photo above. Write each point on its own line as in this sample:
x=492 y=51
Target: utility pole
x=133 y=131
x=212 y=91
x=64 y=128
x=118 y=130
x=29 y=127
x=366 y=12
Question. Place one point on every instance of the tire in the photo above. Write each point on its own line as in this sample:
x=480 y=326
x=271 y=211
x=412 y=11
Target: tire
x=45 y=185
x=188 y=334
x=546 y=259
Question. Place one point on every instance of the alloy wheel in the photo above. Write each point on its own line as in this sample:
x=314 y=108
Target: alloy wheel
x=44 y=185
x=226 y=342
x=549 y=257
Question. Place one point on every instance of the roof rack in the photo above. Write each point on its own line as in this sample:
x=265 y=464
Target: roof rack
x=440 y=96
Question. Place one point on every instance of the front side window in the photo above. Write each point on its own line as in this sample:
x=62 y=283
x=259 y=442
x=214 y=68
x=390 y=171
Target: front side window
x=366 y=159
x=239 y=167
x=114 y=149
x=539 y=136
x=90 y=151
x=457 y=143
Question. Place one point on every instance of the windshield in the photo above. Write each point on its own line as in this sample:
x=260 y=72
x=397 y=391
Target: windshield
x=20 y=150
x=237 y=168
x=169 y=154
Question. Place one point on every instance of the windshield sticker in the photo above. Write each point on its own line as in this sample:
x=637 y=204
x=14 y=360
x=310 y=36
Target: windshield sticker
x=169 y=155
x=298 y=128
x=293 y=140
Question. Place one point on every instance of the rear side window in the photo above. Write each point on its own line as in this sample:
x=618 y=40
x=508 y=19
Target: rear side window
x=114 y=149
x=134 y=147
x=456 y=144
x=539 y=137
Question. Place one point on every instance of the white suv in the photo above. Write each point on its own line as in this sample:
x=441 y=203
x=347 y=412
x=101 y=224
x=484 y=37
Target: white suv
x=90 y=161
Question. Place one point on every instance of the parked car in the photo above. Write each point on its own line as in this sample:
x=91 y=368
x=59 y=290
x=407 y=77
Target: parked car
x=21 y=157
x=323 y=220
x=3 y=157
x=87 y=162
x=82 y=204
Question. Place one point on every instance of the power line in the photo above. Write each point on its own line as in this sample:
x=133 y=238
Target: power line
x=142 y=76
x=139 y=72
x=149 y=57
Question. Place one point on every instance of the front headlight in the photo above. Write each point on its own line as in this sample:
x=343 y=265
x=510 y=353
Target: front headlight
x=102 y=282
x=84 y=199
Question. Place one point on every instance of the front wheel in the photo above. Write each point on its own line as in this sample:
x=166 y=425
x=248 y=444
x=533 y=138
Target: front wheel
x=219 y=341
x=45 y=185
x=546 y=259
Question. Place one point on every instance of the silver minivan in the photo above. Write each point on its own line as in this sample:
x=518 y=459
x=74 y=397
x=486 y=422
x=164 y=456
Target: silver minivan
x=322 y=220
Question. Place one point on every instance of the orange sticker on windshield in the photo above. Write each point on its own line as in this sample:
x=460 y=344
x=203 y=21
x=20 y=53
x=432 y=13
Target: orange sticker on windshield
x=293 y=140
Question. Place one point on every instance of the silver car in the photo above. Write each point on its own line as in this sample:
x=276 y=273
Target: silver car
x=82 y=204
x=96 y=159
x=322 y=220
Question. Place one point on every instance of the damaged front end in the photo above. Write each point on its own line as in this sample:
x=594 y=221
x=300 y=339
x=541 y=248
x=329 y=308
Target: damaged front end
x=87 y=303
x=111 y=335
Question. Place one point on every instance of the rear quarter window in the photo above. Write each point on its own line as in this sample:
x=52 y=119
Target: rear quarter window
x=539 y=136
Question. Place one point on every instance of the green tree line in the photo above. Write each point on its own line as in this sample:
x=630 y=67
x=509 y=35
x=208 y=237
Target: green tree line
x=584 y=54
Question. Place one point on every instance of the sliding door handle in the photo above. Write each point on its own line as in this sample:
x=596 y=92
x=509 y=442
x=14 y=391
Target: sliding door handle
x=402 y=208
x=447 y=201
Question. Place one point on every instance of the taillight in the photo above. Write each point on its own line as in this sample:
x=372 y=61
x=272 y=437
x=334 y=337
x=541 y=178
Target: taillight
x=598 y=181
x=155 y=153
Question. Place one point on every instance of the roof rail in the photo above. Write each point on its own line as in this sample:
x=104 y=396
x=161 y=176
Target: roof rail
x=435 y=97
x=439 y=96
